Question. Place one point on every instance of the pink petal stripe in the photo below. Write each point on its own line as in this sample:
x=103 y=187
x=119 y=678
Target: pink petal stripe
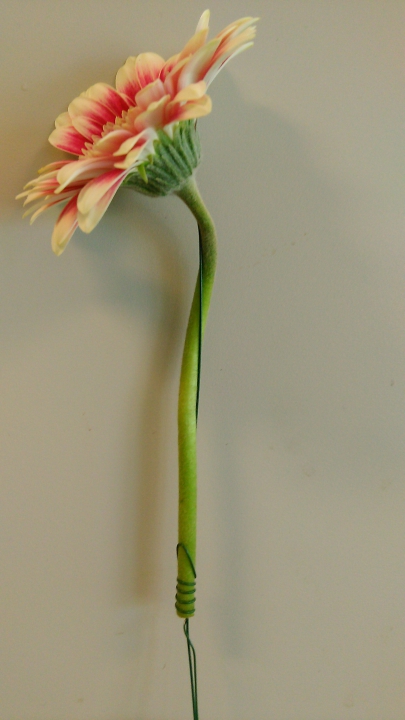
x=89 y=116
x=172 y=78
x=68 y=139
x=222 y=61
x=126 y=80
x=92 y=193
x=232 y=43
x=88 y=127
x=81 y=170
x=148 y=67
x=197 y=66
x=168 y=66
x=109 y=97
x=44 y=206
x=46 y=187
x=65 y=226
x=90 y=108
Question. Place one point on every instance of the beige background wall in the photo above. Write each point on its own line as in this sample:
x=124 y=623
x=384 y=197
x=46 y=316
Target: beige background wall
x=301 y=584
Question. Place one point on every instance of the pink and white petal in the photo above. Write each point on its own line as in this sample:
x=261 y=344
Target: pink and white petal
x=126 y=80
x=195 y=43
x=109 y=97
x=44 y=206
x=94 y=190
x=196 y=67
x=82 y=170
x=128 y=144
x=143 y=150
x=62 y=120
x=40 y=211
x=129 y=122
x=89 y=116
x=134 y=157
x=69 y=139
x=188 y=111
x=35 y=195
x=88 y=127
x=29 y=187
x=25 y=194
x=191 y=92
x=148 y=66
x=65 y=226
x=47 y=183
x=168 y=66
x=149 y=94
x=236 y=36
x=22 y=194
x=154 y=116
x=228 y=46
x=204 y=21
x=172 y=78
x=88 y=222
x=53 y=166
x=41 y=204
x=237 y=27
x=92 y=109
x=40 y=189
x=45 y=177
x=111 y=142
x=220 y=63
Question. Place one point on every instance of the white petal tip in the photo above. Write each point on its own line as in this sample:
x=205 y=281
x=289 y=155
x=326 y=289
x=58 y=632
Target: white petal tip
x=203 y=21
x=57 y=250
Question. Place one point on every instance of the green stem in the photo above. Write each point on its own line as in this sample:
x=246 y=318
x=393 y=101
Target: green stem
x=187 y=421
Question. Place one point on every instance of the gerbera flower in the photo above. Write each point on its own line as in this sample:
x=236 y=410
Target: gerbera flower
x=140 y=133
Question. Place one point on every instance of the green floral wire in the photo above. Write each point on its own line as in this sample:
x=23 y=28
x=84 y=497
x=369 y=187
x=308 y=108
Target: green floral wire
x=192 y=663
x=200 y=326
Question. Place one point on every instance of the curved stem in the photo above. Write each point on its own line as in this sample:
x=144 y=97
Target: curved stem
x=187 y=421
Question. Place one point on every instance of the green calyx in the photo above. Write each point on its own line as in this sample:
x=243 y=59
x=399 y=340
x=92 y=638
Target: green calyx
x=174 y=161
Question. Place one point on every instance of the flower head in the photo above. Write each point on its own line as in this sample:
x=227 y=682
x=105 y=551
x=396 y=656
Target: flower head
x=118 y=133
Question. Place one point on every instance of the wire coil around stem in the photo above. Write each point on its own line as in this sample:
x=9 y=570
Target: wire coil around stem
x=185 y=591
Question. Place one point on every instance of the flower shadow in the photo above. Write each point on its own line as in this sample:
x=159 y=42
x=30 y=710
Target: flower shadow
x=157 y=300
x=300 y=286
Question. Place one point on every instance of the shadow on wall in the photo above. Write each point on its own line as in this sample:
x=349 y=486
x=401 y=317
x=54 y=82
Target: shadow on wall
x=306 y=343
x=161 y=303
